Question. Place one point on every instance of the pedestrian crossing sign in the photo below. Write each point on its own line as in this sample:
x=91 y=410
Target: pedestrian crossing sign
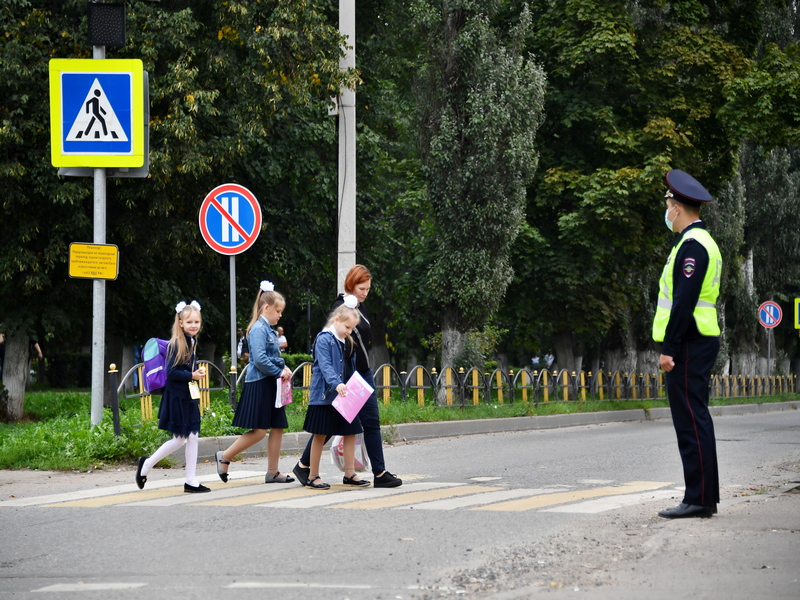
x=797 y=313
x=97 y=112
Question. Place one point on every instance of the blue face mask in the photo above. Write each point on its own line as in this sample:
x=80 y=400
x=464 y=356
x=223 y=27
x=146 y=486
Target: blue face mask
x=667 y=222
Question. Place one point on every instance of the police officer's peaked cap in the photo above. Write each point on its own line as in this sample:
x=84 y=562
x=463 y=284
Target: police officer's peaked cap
x=686 y=189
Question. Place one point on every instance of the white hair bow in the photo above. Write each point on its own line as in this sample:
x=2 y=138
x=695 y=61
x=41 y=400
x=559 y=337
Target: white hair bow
x=267 y=286
x=350 y=301
x=181 y=306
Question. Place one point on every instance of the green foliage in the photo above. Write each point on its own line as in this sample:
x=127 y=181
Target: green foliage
x=237 y=93
x=295 y=360
x=478 y=346
x=450 y=101
x=49 y=405
x=481 y=98
x=764 y=104
x=633 y=91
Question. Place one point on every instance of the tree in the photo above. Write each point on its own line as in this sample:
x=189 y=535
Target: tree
x=223 y=79
x=481 y=97
x=634 y=89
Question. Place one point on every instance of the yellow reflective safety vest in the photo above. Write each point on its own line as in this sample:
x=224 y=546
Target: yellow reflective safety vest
x=705 y=311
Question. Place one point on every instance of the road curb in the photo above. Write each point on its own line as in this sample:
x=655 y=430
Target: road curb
x=294 y=443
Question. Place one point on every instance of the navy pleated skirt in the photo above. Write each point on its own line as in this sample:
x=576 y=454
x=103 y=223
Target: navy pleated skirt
x=178 y=414
x=326 y=420
x=256 y=408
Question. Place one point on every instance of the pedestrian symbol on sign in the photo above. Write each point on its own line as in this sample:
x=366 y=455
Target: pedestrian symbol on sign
x=96 y=121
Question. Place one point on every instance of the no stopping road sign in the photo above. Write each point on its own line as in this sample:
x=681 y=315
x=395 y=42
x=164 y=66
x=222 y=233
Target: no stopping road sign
x=769 y=314
x=230 y=219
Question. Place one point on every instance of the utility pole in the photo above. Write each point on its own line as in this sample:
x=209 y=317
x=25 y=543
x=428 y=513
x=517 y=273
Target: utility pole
x=347 y=149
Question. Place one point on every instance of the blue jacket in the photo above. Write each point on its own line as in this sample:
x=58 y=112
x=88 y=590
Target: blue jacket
x=265 y=357
x=328 y=369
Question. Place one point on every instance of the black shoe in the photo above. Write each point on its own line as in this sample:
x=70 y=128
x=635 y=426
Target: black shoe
x=686 y=511
x=222 y=474
x=278 y=478
x=140 y=479
x=387 y=480
x=353 y=481
x=302 y=473
x=200 y=489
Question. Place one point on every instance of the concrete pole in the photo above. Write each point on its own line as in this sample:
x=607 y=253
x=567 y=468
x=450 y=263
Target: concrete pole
x=98 y=286
x=347 y=150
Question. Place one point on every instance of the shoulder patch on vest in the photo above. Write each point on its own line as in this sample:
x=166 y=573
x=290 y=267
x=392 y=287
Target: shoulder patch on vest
x=689 y=267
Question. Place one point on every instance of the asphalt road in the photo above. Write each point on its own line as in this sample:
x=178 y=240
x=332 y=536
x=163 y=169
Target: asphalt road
x=503 y=515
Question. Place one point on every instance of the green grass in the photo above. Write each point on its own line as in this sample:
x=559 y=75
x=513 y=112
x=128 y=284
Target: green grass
x=57 y=434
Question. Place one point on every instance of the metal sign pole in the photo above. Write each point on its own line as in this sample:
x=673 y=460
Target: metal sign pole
x=98 y=286
x=769 y=351
x=233 y=333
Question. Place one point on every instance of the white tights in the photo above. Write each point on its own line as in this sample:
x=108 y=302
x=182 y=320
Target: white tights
x=171 y=446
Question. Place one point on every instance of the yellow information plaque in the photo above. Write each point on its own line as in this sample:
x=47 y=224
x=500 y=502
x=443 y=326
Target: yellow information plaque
x=93 y=261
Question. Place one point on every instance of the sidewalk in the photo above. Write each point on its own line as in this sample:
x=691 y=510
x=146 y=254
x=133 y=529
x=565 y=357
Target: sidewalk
x=294 y=443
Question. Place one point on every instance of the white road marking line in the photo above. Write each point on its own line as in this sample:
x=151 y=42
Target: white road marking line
x=242 y=490
x=332 y=586
x=328 y=498
x=88 y=587
x=111 y=491
x=611 y=502
x=476 y=500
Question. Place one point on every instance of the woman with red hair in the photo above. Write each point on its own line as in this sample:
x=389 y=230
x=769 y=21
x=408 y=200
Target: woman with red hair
x=358 y=283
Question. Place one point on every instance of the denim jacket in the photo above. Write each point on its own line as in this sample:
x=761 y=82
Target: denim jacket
x=328 y=369
x=265 y=357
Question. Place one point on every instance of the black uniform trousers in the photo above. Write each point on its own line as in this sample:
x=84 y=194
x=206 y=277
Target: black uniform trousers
x=687 y=389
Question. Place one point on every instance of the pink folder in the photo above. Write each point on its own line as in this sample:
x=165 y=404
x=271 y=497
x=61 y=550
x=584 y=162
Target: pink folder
x=358 y=392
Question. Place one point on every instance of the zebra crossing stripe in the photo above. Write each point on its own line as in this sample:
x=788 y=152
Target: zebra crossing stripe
x=534 y=502
x=235 y=487
x=111 y=491
x=612 y=502
x=89 y=587
x=127 y=498
x=258 y=498
x=487 y=498
x=327 y=498
x=458 y=489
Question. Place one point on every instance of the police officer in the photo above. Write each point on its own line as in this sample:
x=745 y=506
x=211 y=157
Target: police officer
x=686 y=324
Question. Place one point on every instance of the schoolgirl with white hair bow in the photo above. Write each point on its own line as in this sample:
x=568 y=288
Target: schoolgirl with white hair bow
x=256 y=410
x=179 y=411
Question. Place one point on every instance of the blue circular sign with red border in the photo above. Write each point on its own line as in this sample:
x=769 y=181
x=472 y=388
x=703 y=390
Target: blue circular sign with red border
x=230 y=219
x=769 y=314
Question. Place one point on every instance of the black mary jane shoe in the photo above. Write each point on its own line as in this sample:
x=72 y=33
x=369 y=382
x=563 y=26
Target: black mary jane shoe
x=312 y=483
x=687 y=511
x=222 y=474
x=356 y=482
x=200 y=489
x=140 y=479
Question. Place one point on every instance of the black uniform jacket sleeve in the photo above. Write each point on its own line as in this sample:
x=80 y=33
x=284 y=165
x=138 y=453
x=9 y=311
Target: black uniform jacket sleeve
x=688 y=273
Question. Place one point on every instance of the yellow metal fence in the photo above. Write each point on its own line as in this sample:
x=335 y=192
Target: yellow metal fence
x=457 y=387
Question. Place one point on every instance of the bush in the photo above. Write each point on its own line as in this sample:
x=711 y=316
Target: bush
x=295 y=360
